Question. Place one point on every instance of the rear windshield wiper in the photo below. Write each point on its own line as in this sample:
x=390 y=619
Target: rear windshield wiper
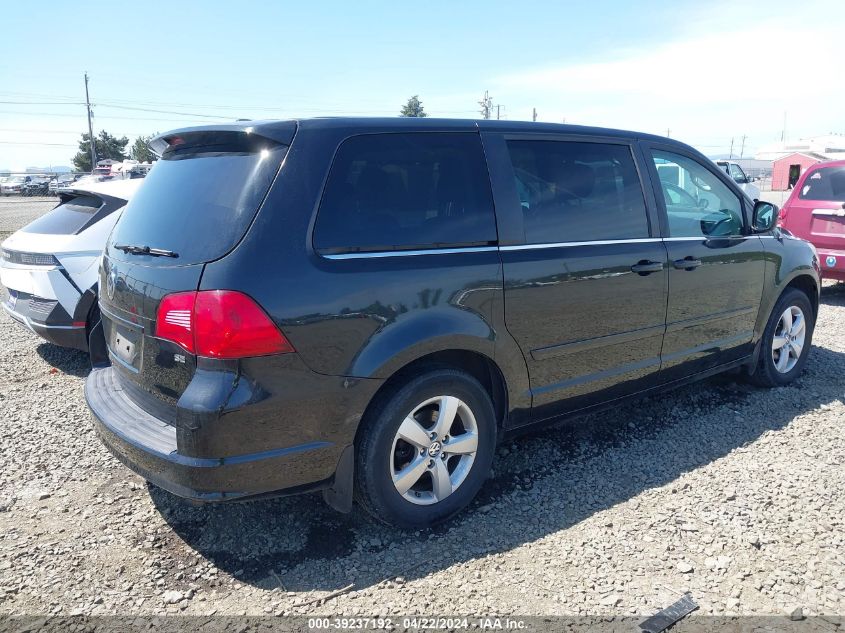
x=145 y=250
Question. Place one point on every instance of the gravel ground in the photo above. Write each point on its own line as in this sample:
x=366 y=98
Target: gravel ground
x=17 y=211
x=729 y=492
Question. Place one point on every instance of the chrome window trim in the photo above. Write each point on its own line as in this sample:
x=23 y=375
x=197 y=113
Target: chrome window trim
x=513 y=247
x=427 y=251
x=701 y=238
x=526 y=247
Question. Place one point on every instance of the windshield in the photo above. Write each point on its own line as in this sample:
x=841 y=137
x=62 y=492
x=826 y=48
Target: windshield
x=826 y=184
x=200 y=198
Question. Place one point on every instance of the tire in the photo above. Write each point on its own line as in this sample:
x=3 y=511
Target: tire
x=767 y=372
x=430 y=487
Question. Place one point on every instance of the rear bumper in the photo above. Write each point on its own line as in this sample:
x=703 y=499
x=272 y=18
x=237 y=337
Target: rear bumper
x=48 y=320
x=151 y=447
x=44 y=300
x=832 y=263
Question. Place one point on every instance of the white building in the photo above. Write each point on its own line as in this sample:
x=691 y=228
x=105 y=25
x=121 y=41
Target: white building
x=832 y=147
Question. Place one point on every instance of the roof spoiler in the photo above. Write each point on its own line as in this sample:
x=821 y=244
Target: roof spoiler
x=279 y=131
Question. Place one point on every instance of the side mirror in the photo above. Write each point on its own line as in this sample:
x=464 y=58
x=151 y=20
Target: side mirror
x=764 y=217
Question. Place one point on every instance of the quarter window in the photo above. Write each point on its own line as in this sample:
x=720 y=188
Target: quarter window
x=698 y=204
x=573 y=192
x=406 y=191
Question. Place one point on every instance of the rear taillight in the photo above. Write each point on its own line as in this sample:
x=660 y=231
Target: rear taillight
x=219 y=324
x=174 y=319
x=29 y=259
x=781 y=216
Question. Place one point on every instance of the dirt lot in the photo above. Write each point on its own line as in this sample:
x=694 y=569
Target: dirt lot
x=729 y=492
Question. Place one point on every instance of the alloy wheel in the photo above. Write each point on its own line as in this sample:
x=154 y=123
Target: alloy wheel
x=433 y=450
x=788 y=341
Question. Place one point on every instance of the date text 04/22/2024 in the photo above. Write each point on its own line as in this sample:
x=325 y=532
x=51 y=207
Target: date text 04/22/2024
x=418 y=623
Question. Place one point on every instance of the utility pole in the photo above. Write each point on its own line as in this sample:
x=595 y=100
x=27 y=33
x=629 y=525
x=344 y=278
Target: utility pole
x=534 y=115
x=486 y=105
x=742 y=147
x=732 y=148
x=498 y=111
x=667 y=132
x=783 y=129
x=90 y=127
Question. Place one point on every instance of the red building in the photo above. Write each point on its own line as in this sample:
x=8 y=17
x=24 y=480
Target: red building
x=787 y=170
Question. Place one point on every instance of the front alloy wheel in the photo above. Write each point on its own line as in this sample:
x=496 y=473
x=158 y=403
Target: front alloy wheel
x=788 y=341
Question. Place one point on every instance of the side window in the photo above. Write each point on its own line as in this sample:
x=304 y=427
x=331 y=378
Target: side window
x=697 y=202
x=737 y=174
x=406 y=191
x=578 y=192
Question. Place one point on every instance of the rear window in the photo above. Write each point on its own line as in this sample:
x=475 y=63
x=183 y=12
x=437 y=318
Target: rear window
x=68 y=218
x=200 y=198
x=826 y=184
x=406 y=191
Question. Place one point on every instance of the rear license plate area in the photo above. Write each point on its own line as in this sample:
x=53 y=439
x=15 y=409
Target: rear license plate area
x=124 y=343
x=830 y=222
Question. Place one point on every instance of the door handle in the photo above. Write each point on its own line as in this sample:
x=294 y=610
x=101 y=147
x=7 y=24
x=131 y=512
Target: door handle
x=687 y=263
x=646 y=267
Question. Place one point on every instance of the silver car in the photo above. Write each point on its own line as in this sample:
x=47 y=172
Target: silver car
x=740 y=178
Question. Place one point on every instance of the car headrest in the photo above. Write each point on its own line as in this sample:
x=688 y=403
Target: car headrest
x=576 y=178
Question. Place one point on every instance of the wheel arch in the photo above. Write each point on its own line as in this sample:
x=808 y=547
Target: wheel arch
x=806 y=284
x=478 y=365
x=800 y=280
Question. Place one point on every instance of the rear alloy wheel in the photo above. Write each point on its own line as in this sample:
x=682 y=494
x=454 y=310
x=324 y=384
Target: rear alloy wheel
x=786 y=340
x=424 y=453
x=434 y=450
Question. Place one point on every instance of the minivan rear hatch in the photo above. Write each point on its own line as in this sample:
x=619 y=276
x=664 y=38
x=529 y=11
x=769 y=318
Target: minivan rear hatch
x=194 y=207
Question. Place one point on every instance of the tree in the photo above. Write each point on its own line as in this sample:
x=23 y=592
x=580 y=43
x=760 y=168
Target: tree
x=107 y=146
x=141 y=151
x=414 y=108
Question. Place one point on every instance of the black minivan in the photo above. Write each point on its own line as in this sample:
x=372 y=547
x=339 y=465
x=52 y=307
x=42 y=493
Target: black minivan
x=366 y=306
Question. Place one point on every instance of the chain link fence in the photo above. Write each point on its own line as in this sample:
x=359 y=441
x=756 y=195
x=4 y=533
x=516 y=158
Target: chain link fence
x=41 y=184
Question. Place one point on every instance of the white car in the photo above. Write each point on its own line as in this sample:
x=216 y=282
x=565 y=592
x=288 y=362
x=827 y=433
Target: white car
x=733 y=170
x=13 y=185
x=49 y=268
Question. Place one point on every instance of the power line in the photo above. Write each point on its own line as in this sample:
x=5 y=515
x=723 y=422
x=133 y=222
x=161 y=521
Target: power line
x=136 y=105
x=194 y=114
x=39 y=95
x=36 y=129
x=76 y=116
x=34 y=143
x=50 y=103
